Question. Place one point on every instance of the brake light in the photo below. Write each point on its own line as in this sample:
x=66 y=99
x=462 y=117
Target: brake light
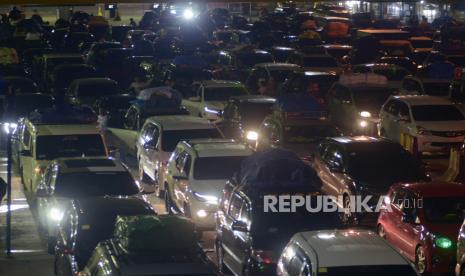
x=264 y=257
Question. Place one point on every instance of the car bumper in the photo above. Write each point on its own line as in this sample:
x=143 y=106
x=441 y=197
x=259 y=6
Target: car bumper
x=443 y=262
x=203 y=214
x=437 y=144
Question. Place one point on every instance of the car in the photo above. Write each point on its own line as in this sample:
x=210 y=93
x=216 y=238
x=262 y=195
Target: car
x=395 y=74
x=95 y=54
x=338 y=51
x=21 y=85
x=298 y=122
x=243 y=115
x=315 y=62
x=264 y=72
x=68 y=178
x=88 y=90
x=92 y=220
x=249 y=239
x=64 y=74
x=434 y=123
x=158 y=139
x=310 y=82
x=50 y=60
x=151 y=245
x=460 y=266
x=116 y=107
x=235 y=65
x=40 y=143
x=355 y=100
x=363 y=166
x=364 y=254
x=197 y=171
x=211 y=97
x=405 y=62
x=423 y=223
x=425 y=86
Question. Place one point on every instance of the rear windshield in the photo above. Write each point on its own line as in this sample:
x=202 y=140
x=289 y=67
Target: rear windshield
x=50 y=147
x=444 y=210
x=95 y=184
x=223 y=167
x=378 y=270
x=97 y=90
x=171 y=138
x=319 y=62
x=223 y=93
x=436 y=113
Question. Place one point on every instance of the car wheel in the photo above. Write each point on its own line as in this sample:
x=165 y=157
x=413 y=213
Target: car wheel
x=220 y=257
x=168 y=201
x=381 y=231
x=420 y=260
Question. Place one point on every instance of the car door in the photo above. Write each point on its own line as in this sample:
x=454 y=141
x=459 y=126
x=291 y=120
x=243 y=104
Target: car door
x=125 y=138
x=390 y=119
x=150 y=150
x=392 y=219
x=232 y=256
x=340 y=106
x=180 y=186
x=408 y=230
x=26 y=154
x=330 y=171
x=145 y=141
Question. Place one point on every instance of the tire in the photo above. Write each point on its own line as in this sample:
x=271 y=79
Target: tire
x=381 y=231
x=420 y=260
x=223 y=269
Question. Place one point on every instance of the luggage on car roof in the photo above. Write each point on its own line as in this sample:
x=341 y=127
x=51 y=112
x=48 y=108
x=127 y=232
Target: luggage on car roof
x=155 y=233
x=278 y=169
x=64 y=114
x=159 y=97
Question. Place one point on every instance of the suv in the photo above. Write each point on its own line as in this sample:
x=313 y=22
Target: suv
x=158 y=139
x=249 y=238
x=40 y=143
x=423 y=223
x=65 y=179
x=355 y=100
x=363 y=166
x=91 y=220
x=264 y=72
x=310 y=252
x=433 y=122
x=197 y=171
x=211 y=97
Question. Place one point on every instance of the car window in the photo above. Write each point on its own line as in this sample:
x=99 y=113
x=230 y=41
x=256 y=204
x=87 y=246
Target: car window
x=26 y=137
x=391 y=107
x=235 y=207
x=403 y=110
x=333 y=156
x=398 y=198
x=186 y=167
x=147 y=133
x=130 y=119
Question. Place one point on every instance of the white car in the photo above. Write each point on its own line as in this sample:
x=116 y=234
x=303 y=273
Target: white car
x=197 y=173
x=434 y=122
x=342 y=252
x=211 y=97
x=158 y=139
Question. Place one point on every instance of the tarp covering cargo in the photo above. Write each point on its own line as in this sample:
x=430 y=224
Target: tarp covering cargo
x=8 y=56
x=163 y=96
x=278 y=169
x=148 y=233
x=306 y=105
x=64 y=114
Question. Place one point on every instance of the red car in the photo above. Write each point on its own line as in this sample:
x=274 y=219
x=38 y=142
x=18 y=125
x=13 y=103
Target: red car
x=424 y=222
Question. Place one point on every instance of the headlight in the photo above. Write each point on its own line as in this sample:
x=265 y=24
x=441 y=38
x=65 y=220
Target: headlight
x=252 y=135
x=188 y=14
x=423 y=131
x=363 y=124
x=206 y=198
x=212 y=111
x=442 y=242
x=55 y=214
x=365 y=114
x=7 y=127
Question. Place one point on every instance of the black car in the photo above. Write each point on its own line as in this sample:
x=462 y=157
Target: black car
x=20 y=85
x=364 y=166
x=91 y=220
x=116 y=107
x=310 y=82
x=243 y=115
x=88 y=90
x=63 y=75
x=249 y=238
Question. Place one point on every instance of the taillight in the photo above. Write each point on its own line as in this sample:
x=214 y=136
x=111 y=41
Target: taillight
x=263 y=257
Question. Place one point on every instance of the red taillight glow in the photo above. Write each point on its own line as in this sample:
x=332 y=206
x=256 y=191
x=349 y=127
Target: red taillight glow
x=265 y=257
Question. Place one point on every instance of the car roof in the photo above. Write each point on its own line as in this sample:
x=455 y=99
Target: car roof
x=80 y=164
x=350 y=247
x=277 y=66
x=311 y=73
x=180 y=122
x=436 y=188
x=71 y=129
x=218 y=148
x=117 y=205
x=423 y=100
x=221 y=83
x=90 y=81
x=255 y=99
x=359 y=140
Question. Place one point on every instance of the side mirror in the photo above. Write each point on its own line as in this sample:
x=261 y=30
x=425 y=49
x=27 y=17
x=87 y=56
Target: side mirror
x=150 y=146
x=42 y=192
x=25 y=153
x=180 y=177
x=239 y=226
x=194 y=99
x=113 y=151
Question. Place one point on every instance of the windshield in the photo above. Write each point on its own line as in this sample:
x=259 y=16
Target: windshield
x=223 y=93
x=97 y=90
x=378 y=270
x=382 y=164
x=84 y=184
x=307 y=134
x=447 y=210
x=436 y=113
x=171 y=138
x=254 y=114
x=319 y=62
x=249 y=60
x=223 y=167
x=436 y=89
x=392 y=74
x=50 y=147
x=370 y=99
x=280 y=75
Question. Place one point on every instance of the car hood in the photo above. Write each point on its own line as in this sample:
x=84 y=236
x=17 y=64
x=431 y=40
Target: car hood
x=442 y=125
x=208 y=187
x=302 y=150
x=217 y=105
x=451 y=231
